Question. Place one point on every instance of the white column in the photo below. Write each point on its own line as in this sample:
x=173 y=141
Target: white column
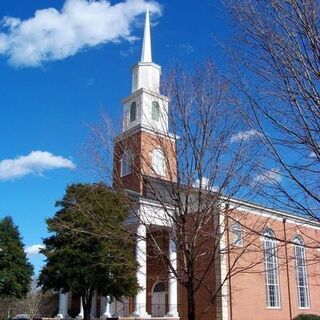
x=172 y=282
x=107 y=308
x=221 y=269
x=113 y=310
x=80 y=315
x=63 y=305
x=93 y=311
x=103 y=301
x=141 y=256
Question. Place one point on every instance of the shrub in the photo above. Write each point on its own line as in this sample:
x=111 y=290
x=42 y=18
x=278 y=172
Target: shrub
x=307 y=317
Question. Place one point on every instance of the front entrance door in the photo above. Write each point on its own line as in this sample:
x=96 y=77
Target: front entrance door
x=158 y=300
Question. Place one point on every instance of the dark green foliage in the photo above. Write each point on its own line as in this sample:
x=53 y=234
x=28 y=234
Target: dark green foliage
x=88 y=248
x=15 y=270
x=307 y=317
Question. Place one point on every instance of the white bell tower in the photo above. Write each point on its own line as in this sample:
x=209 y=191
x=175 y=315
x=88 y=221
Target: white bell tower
x=146 y=106
x=145 y=146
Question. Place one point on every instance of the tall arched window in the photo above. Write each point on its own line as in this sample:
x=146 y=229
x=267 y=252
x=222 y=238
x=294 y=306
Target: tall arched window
x=237 y=236
x=133 y=111
x=158 y=162
x=271 y=269
x=126 y=163
x=301 y=272
x=155 y=112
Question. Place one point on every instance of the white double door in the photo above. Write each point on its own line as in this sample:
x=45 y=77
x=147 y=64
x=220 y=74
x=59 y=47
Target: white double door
x=158 y=303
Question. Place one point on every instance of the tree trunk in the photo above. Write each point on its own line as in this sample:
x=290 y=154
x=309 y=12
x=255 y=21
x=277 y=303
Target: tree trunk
x=191 y=302
x=86 y=310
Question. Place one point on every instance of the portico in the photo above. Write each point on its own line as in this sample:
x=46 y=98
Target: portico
x=159 y=295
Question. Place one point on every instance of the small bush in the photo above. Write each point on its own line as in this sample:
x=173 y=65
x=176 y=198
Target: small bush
x=307 y=317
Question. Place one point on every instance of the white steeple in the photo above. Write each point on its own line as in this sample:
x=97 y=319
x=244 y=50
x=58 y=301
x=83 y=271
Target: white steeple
x=146 y=54
x=146 y=74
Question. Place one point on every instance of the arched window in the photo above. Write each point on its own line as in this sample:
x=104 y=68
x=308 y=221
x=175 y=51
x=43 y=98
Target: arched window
x=158 y=162
x=271 y=269
x=133 y=111
x=126 y=163
x=301 y=272
x=237 y=236
x=155 y=112
x=159 y=287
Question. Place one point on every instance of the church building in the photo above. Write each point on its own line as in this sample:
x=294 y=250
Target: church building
x=272 y=272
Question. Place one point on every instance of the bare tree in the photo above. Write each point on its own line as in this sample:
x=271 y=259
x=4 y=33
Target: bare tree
x=190 y=171
x=277 y=54
x=31 y=304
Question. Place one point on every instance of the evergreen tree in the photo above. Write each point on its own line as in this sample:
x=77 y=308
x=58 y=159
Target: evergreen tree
x=15 y=269
x=78 y=258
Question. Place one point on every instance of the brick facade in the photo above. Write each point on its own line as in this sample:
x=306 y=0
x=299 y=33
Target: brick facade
x=248 y=288
x=245 y=290
x=141 y=144
x=248 y=292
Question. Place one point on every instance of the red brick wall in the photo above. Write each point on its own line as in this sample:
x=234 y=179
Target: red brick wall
x=248 y=287
x=248 y=279
x=205 y=267
x=141 y=145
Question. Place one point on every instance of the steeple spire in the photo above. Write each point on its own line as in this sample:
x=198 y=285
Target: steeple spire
x=146 y=55
x=146 y=74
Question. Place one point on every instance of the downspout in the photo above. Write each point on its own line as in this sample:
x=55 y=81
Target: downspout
x=229 y=260
x=287 y=266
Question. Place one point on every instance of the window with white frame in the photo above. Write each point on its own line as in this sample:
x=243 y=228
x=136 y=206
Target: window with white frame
x=126 y=163
x=271 y=270
x=155 y=111
x=158 y=162
x=133 y=112
x=301 y=273
x=237 y=236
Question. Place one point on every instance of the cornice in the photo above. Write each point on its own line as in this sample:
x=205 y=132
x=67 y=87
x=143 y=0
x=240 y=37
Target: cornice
x=142 y=128
x=143 y=90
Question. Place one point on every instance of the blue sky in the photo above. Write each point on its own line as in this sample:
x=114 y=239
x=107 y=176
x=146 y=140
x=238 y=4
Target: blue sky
x=48 y=98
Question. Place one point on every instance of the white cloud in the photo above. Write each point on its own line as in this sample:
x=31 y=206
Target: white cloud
x=33 y=250
x=34 y=163
x=55 y=35
x=272 y=175
x=244 y=135
x=127 y=52
x=205 y=184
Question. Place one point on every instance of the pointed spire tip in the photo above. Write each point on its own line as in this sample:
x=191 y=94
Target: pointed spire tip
x=146 y=54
